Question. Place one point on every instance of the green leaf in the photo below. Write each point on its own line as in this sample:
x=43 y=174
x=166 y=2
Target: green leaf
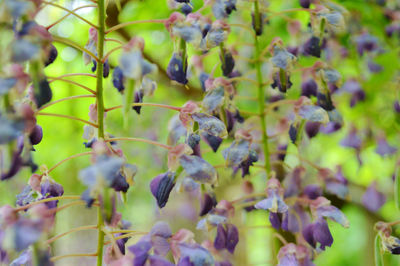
x=397 y=189
x=377 y=251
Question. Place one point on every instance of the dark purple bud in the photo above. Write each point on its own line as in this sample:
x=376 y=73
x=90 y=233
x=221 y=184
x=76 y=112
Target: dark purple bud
x=325 y=101
x=305 y=3
x=312 y=191
x=52 y=55
x=118 y=79
x=212 y=141
x=186 y=9
x=221 y=238
x=207 y=203
x=106 y=69
x=396 y=107
x=293 y=133
x=175 y=69
x=373 y=199
x=275 y=219
x=94 y=67
x=312 y=129
x=311 y=47
x=161 y=187
x=309 y=88
x=44 y=94
x=36 y=135
x=228 y=63
x=138 y=99
x=232 y=237
x=119 y=183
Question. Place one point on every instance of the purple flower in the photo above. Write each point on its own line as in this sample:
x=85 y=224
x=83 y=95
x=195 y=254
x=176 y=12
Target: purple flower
x=337 y=185
x=118 y=79
x=366 y=43
x=312 y=191
x=226 y=237
x=373 y=199
x=384 y=148
x=374 y=67
x=318 y=232
x=309 y=88
x=212 y=141
x=330 y=127
x=312 y=129
x=49 y=189
x=312 y=47
x=186 y=9
x=140 y=250
x=198 y=169
x=161 y=187
x=194 y=255
x=352 y=140
x=175 y=69
x=223 y=8
x=275 y=219
x=207 y=203
x=325 y=101
x=274 y=201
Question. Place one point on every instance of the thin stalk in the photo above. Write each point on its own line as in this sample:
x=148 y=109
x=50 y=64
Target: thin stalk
x=74 y=45
x=71 y=12
x=69 y=117
x=73 y=83
x=69 y=158
x=100 y=115
x=73 y=255
x=147 y=104
x=73 y=75
x=184 y=53
x=44 y=200
x=119 y=26
x=110 y=52
x=67 y=15
x=141 y=140
x=80 y=228
x=64 y=99
x=261 y=101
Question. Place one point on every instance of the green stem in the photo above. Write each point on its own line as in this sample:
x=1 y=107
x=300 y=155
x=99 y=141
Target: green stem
x=261 y=103
x=184 y=54
x=100 y=115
